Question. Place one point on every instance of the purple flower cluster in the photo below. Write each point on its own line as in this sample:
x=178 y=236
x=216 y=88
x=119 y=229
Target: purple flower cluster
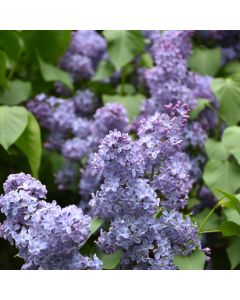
x=87 y=48
x=76 y=129
x=139 y=178
x=47 y=236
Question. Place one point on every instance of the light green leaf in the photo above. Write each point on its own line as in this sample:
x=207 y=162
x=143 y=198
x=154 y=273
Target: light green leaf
x=16 y=92
x=231 y=141
x=231 y=215
x=123 y=46
x=132 y=103
x=105 y=70
x=13 y=121
x=95 y=224
x=30 y=144
x=146 y=61
x=52 y=73
x=233 y=252
x=111 y=261
x=227 y=92
x=195 y=261
x=215 y=150
x=205 y=61
x=201 y=104
x=3 y=62
x=230 y=228
x=222 y=175
x=233 y=199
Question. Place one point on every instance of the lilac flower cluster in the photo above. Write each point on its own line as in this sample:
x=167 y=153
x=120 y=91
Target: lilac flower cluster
x=170 y=81
x=87 y=48
x=76 y=131
x=47 y=236
x=133 y=179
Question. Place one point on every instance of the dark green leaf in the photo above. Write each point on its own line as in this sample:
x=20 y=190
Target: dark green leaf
x=49 y=44
x=30 y=144
x=10 y=43
x=123 y=46
x=205 y=61
x=16 y=92
x=230 y=228
x=231 y=68
x=227 y=92
x=3 y=61
x=13 y=121
x=233 y=252
x=111 y=261
x=212 y=223
x=215 y=150
x=201 y=104
x=131 y=103
x=52 y=73
x=105 y=70
x=195 y=261
x=222 y=175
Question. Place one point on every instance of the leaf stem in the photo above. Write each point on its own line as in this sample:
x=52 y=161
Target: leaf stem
x=211 y=212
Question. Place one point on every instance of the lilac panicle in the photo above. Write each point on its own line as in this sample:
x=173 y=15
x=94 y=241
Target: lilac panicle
x=47 y=236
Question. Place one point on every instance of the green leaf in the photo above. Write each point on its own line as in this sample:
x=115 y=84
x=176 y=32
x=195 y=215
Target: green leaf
x=195 y=261
x=230 y=228
x=205 y=61
x=10 y=43
x=95 y=224
x=227 y=92
x=49 y=44
x=132 y=103
x=111 y=261
x=201 y=104
x=192 y=202
x=3 y=62
x=221 y=175
x=231 y=68
x=13 y=121
x=212 y=223
x=30 y=144
x=231 y=215
x=146 y=61
x=105 y=70
x=233 y=199
x=215 y=150
x=16 y=92
x=123 y=46
x=231 y=141
x=52 y=73
x=233 y=252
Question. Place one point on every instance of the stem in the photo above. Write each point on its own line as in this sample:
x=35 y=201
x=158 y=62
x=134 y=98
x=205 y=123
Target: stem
x=211 y=212
x=152 y=172
x=209 y=231
x=123 y=77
